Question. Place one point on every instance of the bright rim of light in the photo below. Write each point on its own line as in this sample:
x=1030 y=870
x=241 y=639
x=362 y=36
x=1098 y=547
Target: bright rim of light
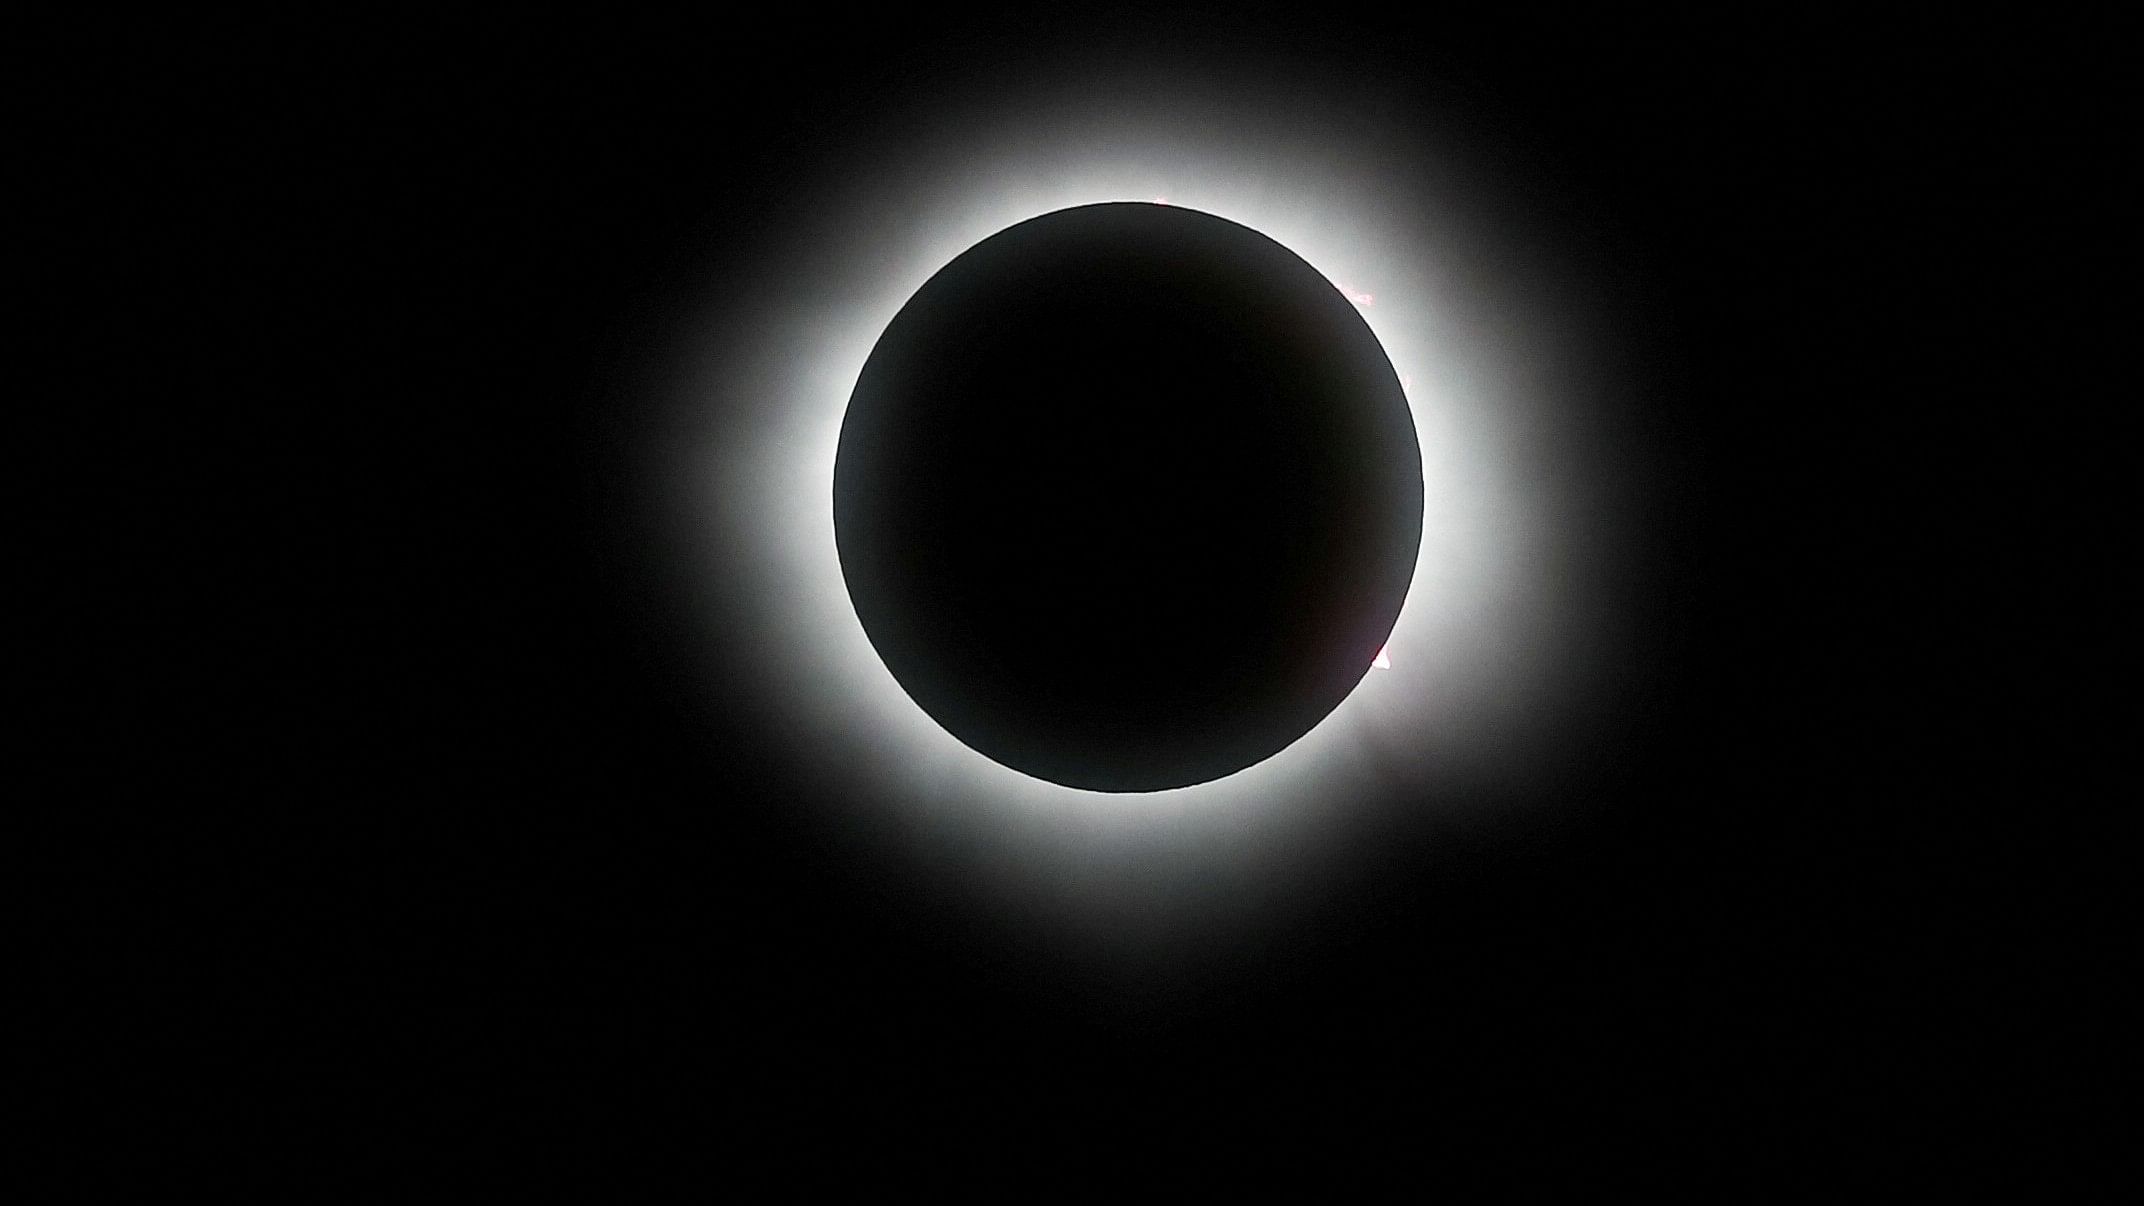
x=1488 y=646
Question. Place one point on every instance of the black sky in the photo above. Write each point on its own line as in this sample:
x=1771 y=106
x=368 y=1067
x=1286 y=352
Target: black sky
x=419 y=840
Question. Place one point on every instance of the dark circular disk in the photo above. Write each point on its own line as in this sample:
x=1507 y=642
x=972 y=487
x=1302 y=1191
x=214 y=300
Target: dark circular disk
x=1128 y=497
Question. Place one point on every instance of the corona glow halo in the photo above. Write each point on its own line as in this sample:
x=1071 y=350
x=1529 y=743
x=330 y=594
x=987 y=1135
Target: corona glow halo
x=1489 y=653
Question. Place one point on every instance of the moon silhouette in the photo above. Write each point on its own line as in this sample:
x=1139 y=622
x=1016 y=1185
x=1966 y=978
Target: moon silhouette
x=1128 y=497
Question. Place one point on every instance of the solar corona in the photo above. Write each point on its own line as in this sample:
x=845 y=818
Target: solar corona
x=946 y=692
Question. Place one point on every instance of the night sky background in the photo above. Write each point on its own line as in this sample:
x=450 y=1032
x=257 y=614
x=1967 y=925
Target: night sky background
x=411 y=839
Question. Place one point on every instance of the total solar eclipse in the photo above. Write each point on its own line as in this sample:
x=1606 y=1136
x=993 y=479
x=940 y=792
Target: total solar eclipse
x=933 y=744
x=1128 y=497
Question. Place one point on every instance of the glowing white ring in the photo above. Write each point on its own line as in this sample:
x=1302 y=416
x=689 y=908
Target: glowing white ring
x=1486 y=655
